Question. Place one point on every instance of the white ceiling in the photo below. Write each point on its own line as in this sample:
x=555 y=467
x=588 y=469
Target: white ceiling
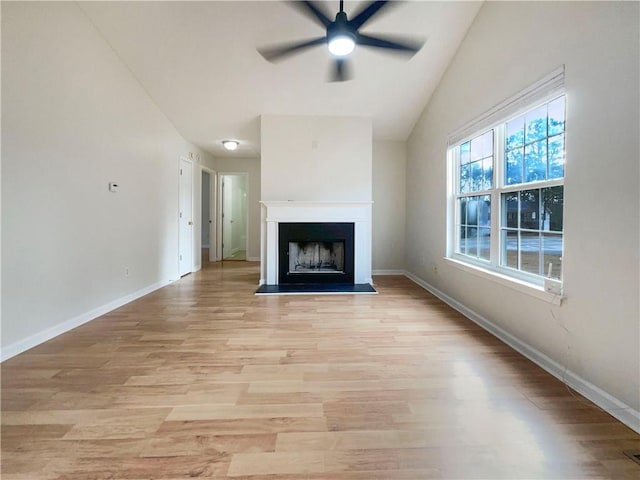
x=198 y=61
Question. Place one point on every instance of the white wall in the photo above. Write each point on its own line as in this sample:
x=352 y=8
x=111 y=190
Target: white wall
x=389 y=191
x=74 y=119
x=316 y=158
x=509 y=46
x=252 y=167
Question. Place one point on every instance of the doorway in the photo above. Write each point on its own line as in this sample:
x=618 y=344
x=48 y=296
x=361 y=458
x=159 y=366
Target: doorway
x=185 y=238
x=233 y=215
x=208 y=220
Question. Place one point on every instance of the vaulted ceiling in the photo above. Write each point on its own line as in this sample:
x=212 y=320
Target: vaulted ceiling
x=198 y=62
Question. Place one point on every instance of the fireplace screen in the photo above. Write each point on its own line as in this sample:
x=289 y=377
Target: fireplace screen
x=316 y=257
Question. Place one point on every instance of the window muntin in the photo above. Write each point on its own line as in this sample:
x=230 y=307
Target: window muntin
x=531 y=230
x=534 y=144
x=473 y=212
x=527 y=193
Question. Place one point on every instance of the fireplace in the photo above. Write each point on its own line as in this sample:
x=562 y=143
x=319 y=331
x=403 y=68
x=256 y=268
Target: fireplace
x=329 y=215
x=316 y=253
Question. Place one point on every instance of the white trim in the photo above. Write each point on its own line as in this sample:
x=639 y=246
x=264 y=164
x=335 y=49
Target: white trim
x=512 y=282
x=253 y=259
x=545 y=88
x=388 y=272
x=604 y=400
x=49 y=333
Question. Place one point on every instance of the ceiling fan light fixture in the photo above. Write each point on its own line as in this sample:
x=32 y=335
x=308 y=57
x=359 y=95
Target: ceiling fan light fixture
x=341 y=45
x=230 y=144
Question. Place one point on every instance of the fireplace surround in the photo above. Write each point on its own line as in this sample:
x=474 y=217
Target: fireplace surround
x=274 y=213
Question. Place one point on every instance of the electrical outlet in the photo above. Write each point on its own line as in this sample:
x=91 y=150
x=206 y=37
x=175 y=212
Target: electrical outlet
x=435 y=268
x=126 y=271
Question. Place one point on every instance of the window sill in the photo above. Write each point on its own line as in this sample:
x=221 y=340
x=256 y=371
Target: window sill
x=510 y=282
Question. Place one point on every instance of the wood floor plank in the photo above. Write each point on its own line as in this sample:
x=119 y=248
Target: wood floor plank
x=204 y=379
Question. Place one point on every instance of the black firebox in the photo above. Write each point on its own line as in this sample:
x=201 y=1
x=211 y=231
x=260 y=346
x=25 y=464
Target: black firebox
x=315 y=253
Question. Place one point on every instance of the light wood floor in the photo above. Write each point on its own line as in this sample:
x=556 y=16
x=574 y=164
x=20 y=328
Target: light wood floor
x=204 y=379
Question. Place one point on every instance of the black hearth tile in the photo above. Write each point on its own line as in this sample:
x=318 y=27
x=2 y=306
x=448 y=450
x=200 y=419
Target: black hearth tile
x=316 y=288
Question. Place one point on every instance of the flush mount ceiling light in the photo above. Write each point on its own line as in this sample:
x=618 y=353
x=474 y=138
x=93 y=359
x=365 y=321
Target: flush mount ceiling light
x=230 y=144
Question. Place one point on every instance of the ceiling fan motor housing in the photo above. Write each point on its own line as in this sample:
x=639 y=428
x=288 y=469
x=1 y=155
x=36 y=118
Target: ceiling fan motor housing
x=341 y=37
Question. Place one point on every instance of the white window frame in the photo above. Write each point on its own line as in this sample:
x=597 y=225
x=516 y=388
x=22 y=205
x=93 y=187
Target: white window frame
x=541 y=92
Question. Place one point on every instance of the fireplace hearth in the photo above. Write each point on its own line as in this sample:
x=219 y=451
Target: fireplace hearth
x=313 y=253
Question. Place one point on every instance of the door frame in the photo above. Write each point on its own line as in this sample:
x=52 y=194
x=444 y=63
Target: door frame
x=192 y=266
x=220 y=207
x=213 y=206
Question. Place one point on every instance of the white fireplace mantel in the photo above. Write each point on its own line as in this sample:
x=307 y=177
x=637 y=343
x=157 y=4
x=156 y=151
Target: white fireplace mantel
x=358 y=212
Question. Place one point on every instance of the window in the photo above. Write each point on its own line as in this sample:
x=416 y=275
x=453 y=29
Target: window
x=508 y=193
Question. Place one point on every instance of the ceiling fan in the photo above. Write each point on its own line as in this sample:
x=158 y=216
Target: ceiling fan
x=341 y=37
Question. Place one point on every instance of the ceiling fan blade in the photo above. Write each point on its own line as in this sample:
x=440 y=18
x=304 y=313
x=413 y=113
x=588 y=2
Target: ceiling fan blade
x=312 y=11
x=363 y=16
x=275 y=53
x=401 y=45
x=341 y=71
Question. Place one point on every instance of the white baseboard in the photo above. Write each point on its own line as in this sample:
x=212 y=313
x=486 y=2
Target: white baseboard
x=41 y=337
x=253 y=259
x=388 y=272
x=604 y=400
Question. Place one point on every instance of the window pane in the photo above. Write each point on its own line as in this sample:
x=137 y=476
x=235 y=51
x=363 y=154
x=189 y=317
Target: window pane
x=530 y=209
x=472 y=211
x=530 y=252
x=552 y=251
x=465 y=179
x=487 y=173
x=552 y=208
x=465 y=150
x=484 y=243
x=535 y=161
x=515 y=133
x=510 y=248
x=510 y=209
x=513 y=172
x=476 y=176
x=487 y=144
x=476 y=149
x=556 y=116
x=472 y=241
x=535 y=124
x=463 y=210
x=484 y=211
x=462 y=239
x=556 y=156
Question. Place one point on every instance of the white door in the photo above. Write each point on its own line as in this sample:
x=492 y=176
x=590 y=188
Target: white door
x=227 y=216
x=212 y=217
x=186 y=217
x=209 y=239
